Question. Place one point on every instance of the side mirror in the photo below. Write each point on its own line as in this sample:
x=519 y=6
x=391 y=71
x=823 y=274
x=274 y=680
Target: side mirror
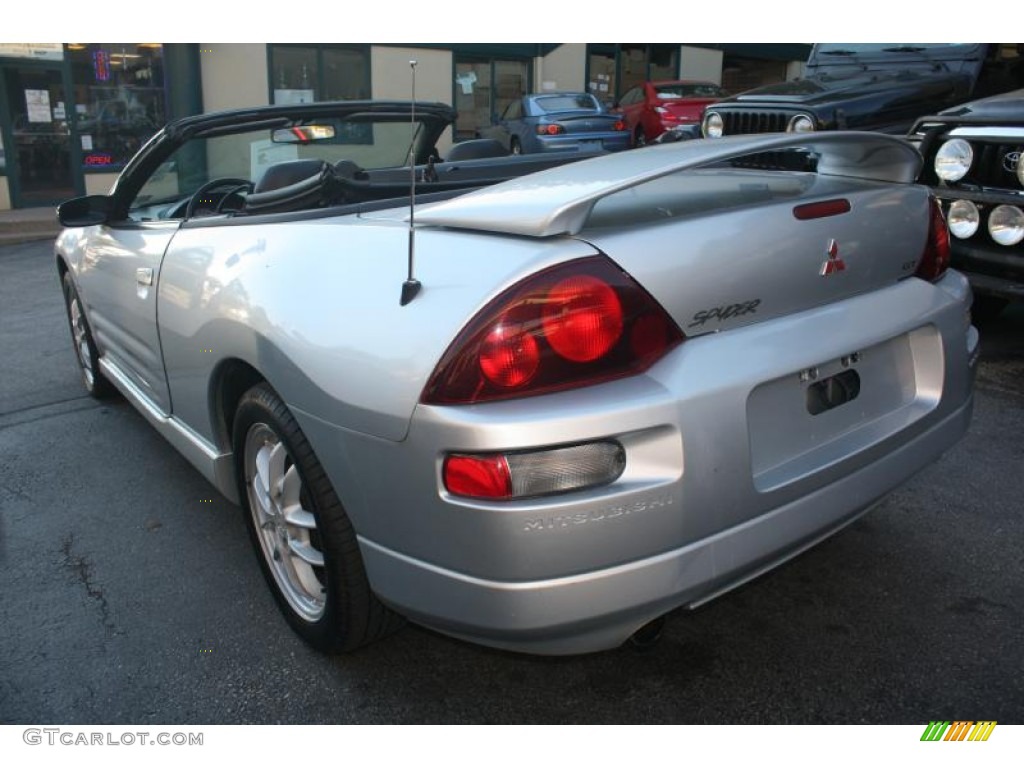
x=84 y=211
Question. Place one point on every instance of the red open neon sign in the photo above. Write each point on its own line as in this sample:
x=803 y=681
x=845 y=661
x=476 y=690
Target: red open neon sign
x=101 y=65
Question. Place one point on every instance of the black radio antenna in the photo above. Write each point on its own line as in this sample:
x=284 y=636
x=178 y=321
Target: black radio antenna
x=412 y=286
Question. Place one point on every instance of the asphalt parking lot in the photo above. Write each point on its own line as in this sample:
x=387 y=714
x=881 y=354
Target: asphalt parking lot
x=130 y=595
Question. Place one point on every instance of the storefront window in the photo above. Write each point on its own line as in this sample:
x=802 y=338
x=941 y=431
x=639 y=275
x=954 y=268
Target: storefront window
x=302 y=74
x=602 y=80
x=346 y=74
x=118 y=99
x=615 y=69
x=511 y=80
x=663 y=62
x=472 y=98
x=40 y=136
x=483 y=90
x=741 y=74
x=295 y=73
x=633 y=66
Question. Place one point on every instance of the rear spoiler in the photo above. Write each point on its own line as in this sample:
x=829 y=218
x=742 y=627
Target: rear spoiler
x=558 y=201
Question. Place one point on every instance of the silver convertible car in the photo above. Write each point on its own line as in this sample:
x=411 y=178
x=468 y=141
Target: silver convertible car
x=533 y=403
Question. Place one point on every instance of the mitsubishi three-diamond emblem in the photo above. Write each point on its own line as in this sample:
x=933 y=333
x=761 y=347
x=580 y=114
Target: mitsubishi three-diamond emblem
x=833 y=264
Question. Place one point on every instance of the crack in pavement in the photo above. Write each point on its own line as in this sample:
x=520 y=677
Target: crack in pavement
x=16 y=411
x=35 y=413
x=82 y=568
x=15 y=492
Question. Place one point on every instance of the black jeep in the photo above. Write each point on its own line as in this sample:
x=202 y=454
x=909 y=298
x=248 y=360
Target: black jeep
x=972 y=161
x=872 y=87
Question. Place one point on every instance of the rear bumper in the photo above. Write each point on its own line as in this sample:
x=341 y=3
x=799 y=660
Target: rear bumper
x=596 y=142
x=727 y=474
x=601 y=609
x=666 y=124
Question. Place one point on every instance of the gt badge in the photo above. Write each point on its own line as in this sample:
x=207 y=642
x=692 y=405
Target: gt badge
x=833 y=263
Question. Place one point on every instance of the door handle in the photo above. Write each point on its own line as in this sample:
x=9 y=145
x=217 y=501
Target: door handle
x=144 y=275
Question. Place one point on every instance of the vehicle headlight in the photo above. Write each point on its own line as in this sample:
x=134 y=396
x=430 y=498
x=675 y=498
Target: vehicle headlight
x=800 y=124
x=1006 y=225
x=953 y=160
x=963 y=219
x=713 y=125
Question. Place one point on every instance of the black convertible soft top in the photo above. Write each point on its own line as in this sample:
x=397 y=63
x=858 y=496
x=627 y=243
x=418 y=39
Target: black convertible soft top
x=433 y=116
x=428 y=112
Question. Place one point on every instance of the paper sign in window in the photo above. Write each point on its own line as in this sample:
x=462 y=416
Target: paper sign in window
x=37 y=104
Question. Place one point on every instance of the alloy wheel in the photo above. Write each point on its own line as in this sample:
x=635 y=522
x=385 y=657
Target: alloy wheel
x=81 y=339
x=285 y=525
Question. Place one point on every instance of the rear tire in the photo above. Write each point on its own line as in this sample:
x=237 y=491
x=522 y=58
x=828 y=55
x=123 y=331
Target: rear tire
x=303 y=538
x=85 y=348
x=515 y=147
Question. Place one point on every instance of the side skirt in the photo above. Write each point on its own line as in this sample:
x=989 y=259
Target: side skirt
x=216 y=467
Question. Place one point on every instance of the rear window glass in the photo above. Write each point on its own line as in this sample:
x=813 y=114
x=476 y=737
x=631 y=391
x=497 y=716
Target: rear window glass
x=689 y=91
x=565 y=103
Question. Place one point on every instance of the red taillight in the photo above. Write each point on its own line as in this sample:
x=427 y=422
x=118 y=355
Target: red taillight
x=509 y=355
x=550 y=129
x=570 y=326
x=935 y=259
x=650 y=334
x=582 y=318
x=484 y=476
x=619 y=126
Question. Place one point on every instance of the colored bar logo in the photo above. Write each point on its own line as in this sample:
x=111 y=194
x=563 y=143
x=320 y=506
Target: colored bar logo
x=958 y=730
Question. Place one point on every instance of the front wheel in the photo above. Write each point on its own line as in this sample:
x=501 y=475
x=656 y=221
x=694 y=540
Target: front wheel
x=640 y=137
x=303 y=538
x=85 y=348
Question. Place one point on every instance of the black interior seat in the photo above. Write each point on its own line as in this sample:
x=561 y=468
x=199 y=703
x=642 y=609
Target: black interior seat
x=346 y=169
x=294 y=185
x=287 y=173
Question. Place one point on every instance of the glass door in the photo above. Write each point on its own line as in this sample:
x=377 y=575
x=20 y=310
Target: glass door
x=39 y=160
x=472 y=98
x=511 y=81
x=483 y=88
x=601 y=83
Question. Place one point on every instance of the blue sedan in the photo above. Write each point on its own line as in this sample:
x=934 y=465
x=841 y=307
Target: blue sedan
x=552 y=122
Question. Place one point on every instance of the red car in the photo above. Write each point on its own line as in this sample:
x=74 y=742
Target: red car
x=651 y=108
